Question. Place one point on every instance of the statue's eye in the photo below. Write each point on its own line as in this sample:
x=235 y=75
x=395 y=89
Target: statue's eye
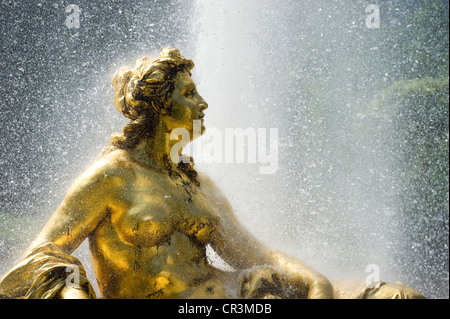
x=189 y=93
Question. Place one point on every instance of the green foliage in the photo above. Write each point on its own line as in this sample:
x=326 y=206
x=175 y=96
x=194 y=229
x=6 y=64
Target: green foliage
x=417 y=111
x=415 y=106
x=413 y=40
x=429 y=47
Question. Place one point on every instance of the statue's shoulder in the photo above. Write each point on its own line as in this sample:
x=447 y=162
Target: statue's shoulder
x=209 y=187
x=205 y=181
x=116 y=163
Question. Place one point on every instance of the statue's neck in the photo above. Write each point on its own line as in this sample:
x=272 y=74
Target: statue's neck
x=156 y=151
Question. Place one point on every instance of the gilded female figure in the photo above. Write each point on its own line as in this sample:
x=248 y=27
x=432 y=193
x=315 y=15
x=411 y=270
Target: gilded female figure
x=149 y=218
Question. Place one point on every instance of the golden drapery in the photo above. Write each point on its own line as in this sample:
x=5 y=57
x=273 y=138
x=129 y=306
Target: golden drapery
x=43 y=273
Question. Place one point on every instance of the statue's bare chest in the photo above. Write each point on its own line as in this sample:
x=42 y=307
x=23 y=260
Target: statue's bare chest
x=159 y=205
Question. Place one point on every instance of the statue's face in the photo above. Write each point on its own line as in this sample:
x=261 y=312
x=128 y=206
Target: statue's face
x=187 y=106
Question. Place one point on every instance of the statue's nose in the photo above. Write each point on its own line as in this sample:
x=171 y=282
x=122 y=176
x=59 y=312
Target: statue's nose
x=203 y=105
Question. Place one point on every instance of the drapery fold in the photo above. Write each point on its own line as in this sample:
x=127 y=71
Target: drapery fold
x=42 y=273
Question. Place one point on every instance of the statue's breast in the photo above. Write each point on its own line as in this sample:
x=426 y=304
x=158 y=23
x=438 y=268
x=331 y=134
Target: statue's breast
x=198 y=227
x=158 y=207
x=193 y=214
x=145 y=224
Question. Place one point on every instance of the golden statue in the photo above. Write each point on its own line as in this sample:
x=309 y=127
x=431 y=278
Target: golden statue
x=149 y=219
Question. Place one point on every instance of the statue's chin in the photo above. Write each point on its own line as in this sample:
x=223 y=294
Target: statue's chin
x=197 y=132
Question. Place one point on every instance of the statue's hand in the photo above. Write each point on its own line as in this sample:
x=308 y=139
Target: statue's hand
x=390 y=290
x=261 y=283
x=266 y=282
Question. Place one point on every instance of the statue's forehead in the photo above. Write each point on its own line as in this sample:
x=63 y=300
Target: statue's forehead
x=184 y=81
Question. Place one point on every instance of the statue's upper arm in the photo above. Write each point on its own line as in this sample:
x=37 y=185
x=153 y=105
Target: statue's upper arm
x=85 y=205
x=232 y=241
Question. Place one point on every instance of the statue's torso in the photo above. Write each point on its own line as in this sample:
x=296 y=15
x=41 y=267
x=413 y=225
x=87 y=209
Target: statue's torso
x=152 y=244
